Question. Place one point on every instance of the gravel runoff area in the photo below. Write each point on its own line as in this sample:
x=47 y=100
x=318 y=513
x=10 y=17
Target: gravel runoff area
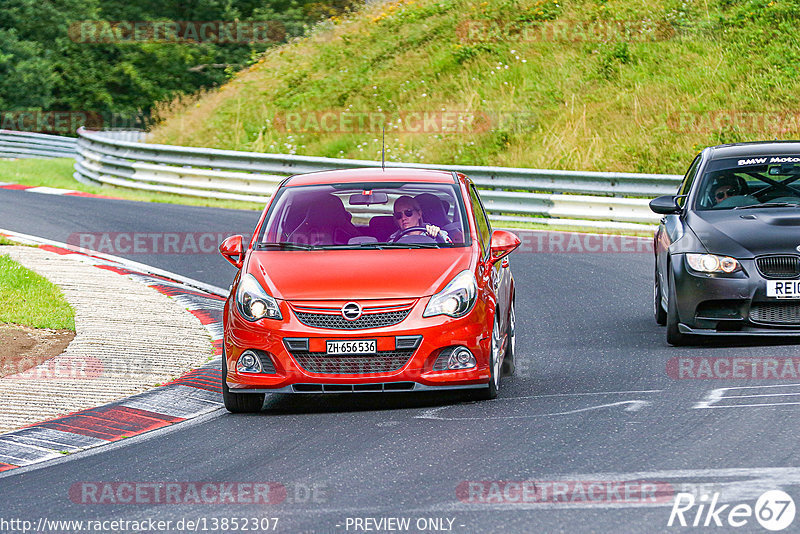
x=129 y=338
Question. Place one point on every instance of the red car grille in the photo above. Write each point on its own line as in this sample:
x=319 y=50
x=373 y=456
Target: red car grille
x=353 y=364
x=372 y=316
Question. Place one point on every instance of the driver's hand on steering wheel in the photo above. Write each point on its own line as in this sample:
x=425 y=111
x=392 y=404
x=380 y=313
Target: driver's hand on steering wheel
x=432 y=230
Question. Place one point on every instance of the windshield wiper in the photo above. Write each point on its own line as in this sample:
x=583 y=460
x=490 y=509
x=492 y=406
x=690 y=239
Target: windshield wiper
x=406 y=245
x=769 y=205
x=285 y=245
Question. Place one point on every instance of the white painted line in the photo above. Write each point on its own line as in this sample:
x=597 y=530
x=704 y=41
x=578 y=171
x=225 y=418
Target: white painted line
x=180 y=401
x=53 y=439
x=635 y=405
x=752 y=405
x=716 y=396
x=762 y=395
x=583 y=394
x=632 y=406
x=49 y=190
x=766 y=386
x=21 y=454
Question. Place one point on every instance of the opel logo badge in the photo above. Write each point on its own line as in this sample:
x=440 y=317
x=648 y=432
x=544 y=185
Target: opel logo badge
x=797 y=248
x=351 y=311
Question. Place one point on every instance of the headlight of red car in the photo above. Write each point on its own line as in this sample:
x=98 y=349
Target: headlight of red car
x=253 y=302
x=457 y=297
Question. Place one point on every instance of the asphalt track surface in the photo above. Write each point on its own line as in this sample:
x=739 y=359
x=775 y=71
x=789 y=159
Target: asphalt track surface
x=591 y=402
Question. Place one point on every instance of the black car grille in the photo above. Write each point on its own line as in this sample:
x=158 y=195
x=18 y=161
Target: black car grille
x=337 y=322
x=776 y=313
x=779 y=266
x=353 y=364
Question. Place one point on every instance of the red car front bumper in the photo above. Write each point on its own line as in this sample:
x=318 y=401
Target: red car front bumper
x=312 y=371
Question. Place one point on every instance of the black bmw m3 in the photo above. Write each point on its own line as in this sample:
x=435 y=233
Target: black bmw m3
x=727 y=251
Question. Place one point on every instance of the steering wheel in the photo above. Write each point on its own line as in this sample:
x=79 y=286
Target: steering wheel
x=439 y=238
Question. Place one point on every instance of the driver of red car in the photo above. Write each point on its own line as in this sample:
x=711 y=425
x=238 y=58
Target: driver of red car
x=407 y=214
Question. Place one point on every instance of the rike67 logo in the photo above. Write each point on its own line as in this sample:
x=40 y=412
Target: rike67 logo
x=774 y=510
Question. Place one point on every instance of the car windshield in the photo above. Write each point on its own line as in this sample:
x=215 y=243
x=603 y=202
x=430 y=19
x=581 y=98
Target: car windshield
x=754 y=182
x=365 y=215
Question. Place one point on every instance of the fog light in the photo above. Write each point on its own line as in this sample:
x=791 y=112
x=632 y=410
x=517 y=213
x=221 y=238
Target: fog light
x=461 y=358
x=248 y=363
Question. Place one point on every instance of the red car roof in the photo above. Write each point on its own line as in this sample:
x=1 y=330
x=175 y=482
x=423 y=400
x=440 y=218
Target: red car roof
x=371 y=174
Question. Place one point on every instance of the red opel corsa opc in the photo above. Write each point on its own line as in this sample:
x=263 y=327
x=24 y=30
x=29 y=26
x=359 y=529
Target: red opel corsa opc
x=369 y=280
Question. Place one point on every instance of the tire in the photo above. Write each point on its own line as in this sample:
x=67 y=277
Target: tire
x=674 y=335
x=509 y=362
x=495 y=368
x=658 y=310
x=239 y=402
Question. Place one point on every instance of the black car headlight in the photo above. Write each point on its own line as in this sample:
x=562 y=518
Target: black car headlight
x=253 y=302
x=711 y=263
x=457 y=297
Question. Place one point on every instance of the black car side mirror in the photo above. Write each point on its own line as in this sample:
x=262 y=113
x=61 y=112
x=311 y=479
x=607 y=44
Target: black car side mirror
x=665 y=205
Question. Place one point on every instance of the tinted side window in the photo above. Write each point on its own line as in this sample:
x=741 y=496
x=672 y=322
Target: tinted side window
x=688 y=180
x=481 y=221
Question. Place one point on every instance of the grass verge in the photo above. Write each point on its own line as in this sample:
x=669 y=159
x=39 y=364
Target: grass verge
x=29 y=299
x=608 y=85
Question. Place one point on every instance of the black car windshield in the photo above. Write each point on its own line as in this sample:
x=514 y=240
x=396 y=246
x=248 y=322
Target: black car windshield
x=366 y=215
x=750 y=182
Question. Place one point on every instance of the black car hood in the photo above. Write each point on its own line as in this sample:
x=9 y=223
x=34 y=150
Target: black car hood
x=747 y=233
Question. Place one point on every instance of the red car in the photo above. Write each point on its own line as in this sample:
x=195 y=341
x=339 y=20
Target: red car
x=369 y=280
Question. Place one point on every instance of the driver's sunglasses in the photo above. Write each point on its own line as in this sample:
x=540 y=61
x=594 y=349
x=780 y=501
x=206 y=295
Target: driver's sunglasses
x=724 y=194
x=407 y=213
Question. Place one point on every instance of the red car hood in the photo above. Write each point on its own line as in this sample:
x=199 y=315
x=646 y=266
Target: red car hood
x=357 y=274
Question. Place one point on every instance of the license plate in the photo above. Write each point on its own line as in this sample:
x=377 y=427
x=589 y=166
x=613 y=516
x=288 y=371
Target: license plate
x=786 y=289
x=354 y=346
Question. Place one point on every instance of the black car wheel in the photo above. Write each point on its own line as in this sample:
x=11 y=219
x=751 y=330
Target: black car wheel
x=495 y=367
x=674 y=335
x=239 y=402
x=509 y=364
x=658 y=309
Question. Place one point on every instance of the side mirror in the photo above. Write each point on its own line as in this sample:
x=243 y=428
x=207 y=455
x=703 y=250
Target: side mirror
x=666 y=205
x=503 y=243
x=232 y=246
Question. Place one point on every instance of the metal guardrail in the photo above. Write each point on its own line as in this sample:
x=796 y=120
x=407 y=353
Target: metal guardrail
x=569 y=198
x=35 y=145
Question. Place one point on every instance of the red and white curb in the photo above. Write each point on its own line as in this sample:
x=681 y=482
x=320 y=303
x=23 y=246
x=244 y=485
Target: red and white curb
x=197 y=392
x=44 y=190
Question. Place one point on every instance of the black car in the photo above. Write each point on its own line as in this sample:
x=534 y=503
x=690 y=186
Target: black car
x=727 y=252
